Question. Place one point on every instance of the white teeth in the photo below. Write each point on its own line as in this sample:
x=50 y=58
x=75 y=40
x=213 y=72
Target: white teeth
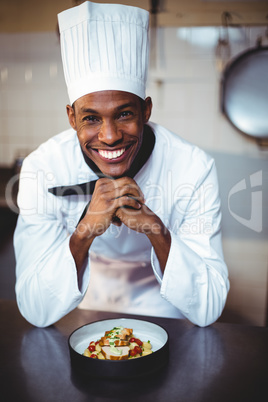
x=111 y=154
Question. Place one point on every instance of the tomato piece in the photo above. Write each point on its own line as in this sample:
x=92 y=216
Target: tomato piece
x=138 y=341
x=132 y=340
x=138 y=350
x=93 y=356
x=92 y=348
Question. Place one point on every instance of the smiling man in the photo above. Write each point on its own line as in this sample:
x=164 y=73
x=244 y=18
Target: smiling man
x=110 y=126
x=116 y=213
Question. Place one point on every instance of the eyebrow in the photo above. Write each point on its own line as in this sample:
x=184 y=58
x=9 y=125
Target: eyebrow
x=86 y=110
x=124 y=106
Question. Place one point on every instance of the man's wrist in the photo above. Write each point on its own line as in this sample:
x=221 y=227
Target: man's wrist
x=79 y=246
x=160 y=239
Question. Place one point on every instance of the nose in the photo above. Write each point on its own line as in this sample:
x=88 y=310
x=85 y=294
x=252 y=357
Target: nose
x=109 y=133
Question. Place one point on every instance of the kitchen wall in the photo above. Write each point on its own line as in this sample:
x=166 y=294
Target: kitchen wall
x=184 y=83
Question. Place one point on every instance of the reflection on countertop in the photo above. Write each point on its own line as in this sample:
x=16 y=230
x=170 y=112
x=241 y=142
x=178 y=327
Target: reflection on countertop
x=8 y=219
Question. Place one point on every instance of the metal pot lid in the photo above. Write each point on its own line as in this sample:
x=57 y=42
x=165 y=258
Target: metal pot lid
x=244 y=97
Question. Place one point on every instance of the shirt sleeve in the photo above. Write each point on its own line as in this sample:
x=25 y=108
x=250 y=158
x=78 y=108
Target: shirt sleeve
x=47 y=287
x=195 y=279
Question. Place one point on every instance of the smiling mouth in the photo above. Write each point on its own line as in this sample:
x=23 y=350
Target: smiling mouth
x=111 y=154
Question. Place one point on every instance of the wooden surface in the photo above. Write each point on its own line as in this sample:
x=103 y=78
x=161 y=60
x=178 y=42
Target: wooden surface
x=223 y=363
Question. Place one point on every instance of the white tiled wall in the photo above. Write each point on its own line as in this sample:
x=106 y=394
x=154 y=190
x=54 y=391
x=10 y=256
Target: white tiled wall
x=32 y=93
x=184 y=85
x=183 y=82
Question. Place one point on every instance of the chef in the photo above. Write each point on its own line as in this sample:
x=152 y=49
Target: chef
x=116 y=213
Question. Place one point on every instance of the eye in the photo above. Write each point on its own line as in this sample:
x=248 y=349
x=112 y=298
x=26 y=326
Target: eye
x=126 y=113
x=91 y=119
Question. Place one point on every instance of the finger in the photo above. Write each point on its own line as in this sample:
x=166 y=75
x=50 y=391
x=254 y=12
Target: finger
x=128 y=203
x=119 y=187
x=110 y=197
x=130 y=192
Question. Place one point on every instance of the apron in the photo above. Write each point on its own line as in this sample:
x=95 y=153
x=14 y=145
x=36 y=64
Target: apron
x=125 y=287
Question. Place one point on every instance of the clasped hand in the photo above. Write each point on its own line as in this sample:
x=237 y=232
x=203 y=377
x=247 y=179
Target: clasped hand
x=115 y=202
x=118 y=202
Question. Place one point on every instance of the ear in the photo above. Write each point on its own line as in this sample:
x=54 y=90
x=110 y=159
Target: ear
x=147 y=109
x=71 y=116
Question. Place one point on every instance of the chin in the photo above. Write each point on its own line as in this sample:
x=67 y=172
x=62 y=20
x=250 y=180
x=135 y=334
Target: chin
x=113 y=170
x=114 y=173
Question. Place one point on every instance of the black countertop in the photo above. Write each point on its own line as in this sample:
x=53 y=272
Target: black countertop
x=222 y=362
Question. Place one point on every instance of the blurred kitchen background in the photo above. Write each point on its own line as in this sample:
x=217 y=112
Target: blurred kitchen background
x=191 y=42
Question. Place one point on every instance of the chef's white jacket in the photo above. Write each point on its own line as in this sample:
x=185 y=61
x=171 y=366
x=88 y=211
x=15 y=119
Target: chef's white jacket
x=179 y=182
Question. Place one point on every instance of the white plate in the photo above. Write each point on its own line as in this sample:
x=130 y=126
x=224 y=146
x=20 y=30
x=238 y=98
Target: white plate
x=118 y=369
x=143 y=330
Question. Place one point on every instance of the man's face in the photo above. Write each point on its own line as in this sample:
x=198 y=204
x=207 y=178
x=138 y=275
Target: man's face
x=109 y=125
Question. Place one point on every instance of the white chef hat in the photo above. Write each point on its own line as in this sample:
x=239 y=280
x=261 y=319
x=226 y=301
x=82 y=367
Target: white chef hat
x=104 y=47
